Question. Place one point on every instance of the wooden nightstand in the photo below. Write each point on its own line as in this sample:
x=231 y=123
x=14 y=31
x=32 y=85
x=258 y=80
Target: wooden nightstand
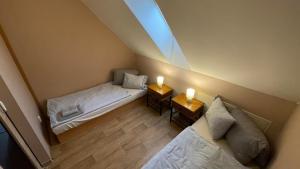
x=187 y=113
x=157 y=96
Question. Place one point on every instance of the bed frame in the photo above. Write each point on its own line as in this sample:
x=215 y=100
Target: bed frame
x=263 y=123
x=92 y=124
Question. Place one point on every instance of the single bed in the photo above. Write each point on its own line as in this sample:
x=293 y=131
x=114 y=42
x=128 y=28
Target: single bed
x=189 y=150
x=195 y=148
x=201 y=128
x=92 y=103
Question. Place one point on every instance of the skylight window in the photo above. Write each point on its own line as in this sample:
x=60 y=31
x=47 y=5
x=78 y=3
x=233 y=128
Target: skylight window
x=151 y=18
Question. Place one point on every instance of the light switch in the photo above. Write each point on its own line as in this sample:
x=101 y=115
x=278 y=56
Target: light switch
x=3 y=106
x=39 y=118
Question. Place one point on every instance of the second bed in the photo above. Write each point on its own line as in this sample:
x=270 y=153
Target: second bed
x=91 y=103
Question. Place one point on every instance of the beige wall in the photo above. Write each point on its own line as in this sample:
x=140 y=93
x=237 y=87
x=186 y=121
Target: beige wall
x=116 y=15
x=22 y=108
x=275 y=109
x=288 y=149
x=61 y=46
x=254 y=43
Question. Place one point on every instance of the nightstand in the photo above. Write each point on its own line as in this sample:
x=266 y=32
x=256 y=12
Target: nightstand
x=185 y=113
x=156 y=96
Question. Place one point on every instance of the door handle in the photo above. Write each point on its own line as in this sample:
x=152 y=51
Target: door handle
x=2 y=106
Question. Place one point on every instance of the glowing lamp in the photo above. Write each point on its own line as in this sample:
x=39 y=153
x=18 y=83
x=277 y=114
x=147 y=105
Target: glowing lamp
x=190 y=93
x=160 y=81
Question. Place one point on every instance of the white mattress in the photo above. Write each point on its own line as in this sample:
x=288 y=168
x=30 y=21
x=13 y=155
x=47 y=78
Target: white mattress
x=201 y=127
x=188 y=150
x=114 y=96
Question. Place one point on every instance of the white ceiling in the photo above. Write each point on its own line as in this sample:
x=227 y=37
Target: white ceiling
x=255 y=44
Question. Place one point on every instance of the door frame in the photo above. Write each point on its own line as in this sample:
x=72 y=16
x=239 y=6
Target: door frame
x=17 y=137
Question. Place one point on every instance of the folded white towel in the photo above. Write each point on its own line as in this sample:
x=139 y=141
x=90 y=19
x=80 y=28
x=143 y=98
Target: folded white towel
x=70 y=111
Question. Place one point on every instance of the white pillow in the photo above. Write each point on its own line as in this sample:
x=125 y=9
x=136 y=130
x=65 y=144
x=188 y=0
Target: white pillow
x=219 y=119
x=134 y=82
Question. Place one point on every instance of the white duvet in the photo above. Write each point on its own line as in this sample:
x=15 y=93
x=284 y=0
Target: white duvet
x=88 y=100
x=190 y=151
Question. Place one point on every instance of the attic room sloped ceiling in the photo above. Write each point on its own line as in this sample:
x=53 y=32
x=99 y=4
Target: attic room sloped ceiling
x=254 y=44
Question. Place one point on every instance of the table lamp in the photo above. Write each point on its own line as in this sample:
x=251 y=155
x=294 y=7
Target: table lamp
x=190 y=93
x=160 y=81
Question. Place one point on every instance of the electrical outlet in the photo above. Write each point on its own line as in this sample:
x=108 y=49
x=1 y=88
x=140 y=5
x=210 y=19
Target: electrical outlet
x=39 y=118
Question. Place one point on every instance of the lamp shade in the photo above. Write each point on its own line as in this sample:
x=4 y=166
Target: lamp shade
x=160 y=81
x=190 y=93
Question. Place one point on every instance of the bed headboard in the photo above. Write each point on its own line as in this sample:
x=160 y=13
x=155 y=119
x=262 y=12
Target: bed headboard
x=263 y=123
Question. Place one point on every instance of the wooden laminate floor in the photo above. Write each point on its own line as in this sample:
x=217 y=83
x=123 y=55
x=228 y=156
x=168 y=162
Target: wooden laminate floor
x=124 y=139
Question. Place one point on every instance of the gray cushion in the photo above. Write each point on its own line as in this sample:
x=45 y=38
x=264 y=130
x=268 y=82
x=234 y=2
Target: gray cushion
x=119 y=75
x=246 y=140
x=218 y=118
x=134 y=82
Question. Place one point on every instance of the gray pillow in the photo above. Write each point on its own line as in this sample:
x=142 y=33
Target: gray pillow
x=218 y=118
x=119 y=75
x=134 y=82
x=247 y=141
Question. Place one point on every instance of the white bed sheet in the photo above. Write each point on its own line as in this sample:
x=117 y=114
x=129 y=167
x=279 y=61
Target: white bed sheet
x=66 y=125
x=201 y=127
x=188 y=150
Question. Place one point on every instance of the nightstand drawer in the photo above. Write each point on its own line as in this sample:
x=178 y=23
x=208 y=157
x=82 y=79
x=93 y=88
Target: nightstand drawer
x=153 y=94
x=159 y=96
x=184 y=110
